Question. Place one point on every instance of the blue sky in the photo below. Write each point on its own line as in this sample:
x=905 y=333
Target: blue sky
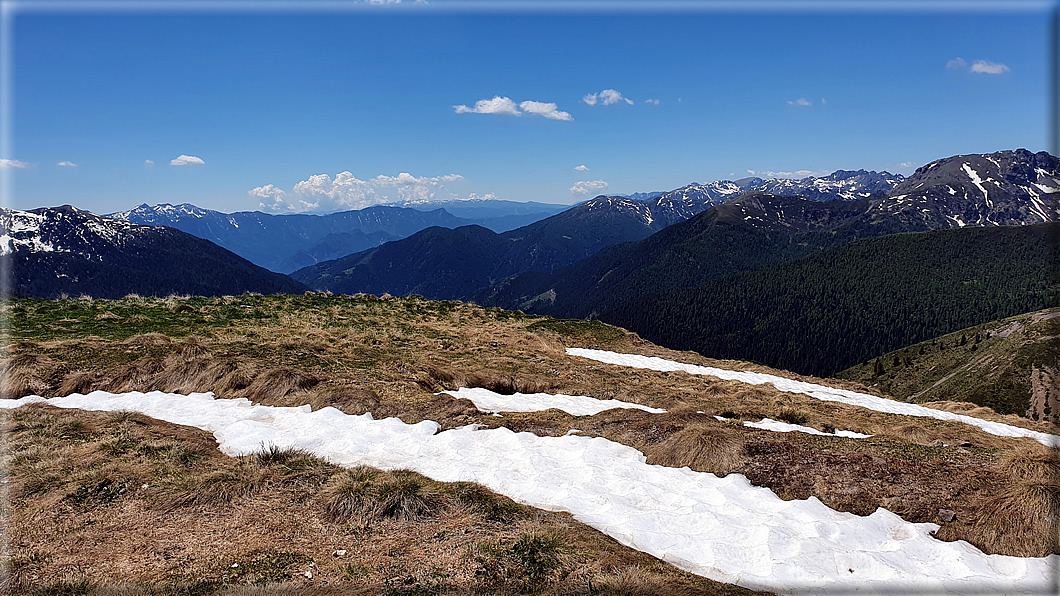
x=322 y=111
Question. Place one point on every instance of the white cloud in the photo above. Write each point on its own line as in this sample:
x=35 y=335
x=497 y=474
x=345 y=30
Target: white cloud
x=410 y=188
x=907 y=165
x=548 y=110
x=66 y=164
x=269 y=191
x=987 y=67
x=504 y=105
x=606 y=97
x=653 y=102
x=345 y=191
x=497 y=105
x=187 y=160
x=823 y=101
x=321 y=192
x=272 y=198
x=12 y=163
x=582 y=168
x=979 y=66
x=405 y=178
x=149 y=163
x=585 y=187
x=801 y=102
x=475 y=197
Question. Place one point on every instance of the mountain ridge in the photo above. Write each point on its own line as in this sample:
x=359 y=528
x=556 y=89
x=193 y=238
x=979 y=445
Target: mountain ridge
x=65 y=250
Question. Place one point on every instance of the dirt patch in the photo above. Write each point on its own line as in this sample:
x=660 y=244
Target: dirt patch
x=1045 y=394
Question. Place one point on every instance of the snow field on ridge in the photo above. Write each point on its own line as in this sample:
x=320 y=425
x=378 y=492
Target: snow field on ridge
x=721 y=528
x=821 y=392
x=575 y=405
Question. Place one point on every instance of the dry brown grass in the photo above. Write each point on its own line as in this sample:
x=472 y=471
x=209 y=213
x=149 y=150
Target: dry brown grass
x=910 y=432
x=1033 y=463
x=1022 y=520
x=109 y=519
x=390 y=357
x=276 y=384
x=24 y=374
x=711 y=448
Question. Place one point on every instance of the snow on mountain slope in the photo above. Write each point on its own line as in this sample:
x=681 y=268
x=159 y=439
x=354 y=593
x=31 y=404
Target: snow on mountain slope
x=996 y=189
x=690 y=200
x=64 y=229
x=843 y=185
x=721 y=528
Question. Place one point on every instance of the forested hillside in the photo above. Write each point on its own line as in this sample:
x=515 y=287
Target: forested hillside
x=844 y=305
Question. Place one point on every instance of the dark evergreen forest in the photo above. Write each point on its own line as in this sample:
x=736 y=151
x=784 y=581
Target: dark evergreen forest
x=841 y=306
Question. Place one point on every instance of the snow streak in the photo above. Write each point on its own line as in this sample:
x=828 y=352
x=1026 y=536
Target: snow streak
x=820 y=392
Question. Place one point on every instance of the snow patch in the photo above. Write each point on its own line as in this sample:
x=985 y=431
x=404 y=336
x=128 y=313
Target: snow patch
x=575 y=405
x=721 y=528
x=978 y=182
x=783 y=427
x=815 y=391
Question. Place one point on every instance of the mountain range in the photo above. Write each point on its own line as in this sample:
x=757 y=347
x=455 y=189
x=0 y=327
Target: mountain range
x=476 y=259
x=494 y=214
x=285 y=243
x=694 y=286
x=288 y=242
x=64 y=250
x=612 y=257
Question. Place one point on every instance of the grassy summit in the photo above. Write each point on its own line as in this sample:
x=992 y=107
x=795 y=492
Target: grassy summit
x=101 y=500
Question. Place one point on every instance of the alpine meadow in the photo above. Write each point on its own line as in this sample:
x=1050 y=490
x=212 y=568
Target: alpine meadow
x=437 y=297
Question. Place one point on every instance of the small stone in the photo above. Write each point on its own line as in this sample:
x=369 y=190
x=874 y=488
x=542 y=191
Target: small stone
x=234 y=565
x=339 y=553
x=947 y=515
x=308 y=574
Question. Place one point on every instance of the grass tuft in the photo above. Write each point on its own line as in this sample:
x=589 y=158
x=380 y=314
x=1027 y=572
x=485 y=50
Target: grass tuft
x=405 y=498
x=702 y=448
x=792 y=417
x=278 y=383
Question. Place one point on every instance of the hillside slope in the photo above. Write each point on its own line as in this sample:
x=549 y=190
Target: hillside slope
x=835 y=308
x=1009 y=365
x=277 y=516
x=752 y=231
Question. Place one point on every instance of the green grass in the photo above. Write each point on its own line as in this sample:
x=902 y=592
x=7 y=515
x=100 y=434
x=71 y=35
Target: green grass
x=974 y=365
x=579 y=330
x=264 y=567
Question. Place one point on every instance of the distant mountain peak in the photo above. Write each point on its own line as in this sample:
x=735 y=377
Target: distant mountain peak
x=1011 y=187
x=56 y=250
